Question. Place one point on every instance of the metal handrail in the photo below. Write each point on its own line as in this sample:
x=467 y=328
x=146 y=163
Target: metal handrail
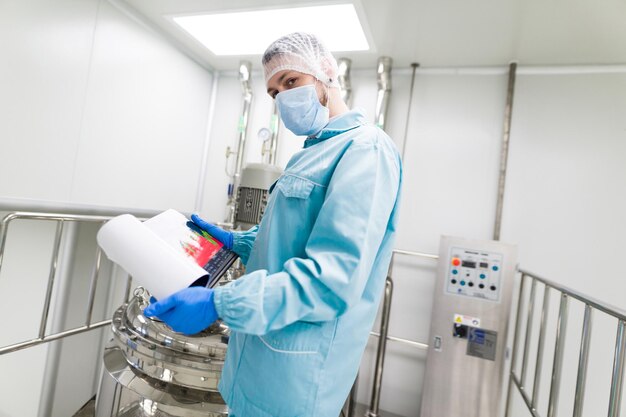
x=61 y=220
x=591 y=304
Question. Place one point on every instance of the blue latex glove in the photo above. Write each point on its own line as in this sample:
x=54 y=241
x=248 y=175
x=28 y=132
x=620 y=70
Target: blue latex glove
x=217 y=232
x=188 y=311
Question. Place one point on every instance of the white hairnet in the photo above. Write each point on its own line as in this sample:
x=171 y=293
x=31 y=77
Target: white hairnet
x=301 y=52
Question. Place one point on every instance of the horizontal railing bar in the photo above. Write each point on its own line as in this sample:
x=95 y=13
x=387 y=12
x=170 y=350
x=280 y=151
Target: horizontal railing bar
x=522 y=392
x=597 y=304
x=412 y=343
x=20 y=204
x=34 y=342
x=418 y=254
x=31 y=215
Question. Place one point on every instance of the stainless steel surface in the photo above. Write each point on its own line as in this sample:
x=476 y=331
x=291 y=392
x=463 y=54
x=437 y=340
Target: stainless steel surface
x=529 y=327
x=414 y=66
x=151 y=369
x=383 y=71
x=557 y=364
x=615 y=399
x=504 y=151
x=380 y=351
x=583 y=361
x=125 y=391
x=253 y=193
x=464 y=374
x=507 y=407
x=155 y=350
x=540 y=344
x=343 y=76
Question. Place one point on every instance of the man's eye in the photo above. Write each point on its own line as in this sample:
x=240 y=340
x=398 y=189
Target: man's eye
x=291 y=82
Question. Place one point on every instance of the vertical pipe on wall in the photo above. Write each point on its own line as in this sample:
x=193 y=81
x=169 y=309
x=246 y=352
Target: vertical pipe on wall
x=245 y=68
x=414 y=66
x=343 y=76
x=504 y=152
x=274 y=124
x=384 y=90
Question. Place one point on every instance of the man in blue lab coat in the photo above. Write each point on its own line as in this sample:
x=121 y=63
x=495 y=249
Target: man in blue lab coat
x=316 y=265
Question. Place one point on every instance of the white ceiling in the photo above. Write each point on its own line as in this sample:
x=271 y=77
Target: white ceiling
x=443 y=33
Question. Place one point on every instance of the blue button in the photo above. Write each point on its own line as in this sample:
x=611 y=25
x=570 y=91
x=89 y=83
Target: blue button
x=462 y=283
x=454 y=271
x=495 y=268
x=483 y=276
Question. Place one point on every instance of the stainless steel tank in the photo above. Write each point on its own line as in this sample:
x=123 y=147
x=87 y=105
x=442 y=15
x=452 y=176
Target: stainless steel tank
x=150 y=370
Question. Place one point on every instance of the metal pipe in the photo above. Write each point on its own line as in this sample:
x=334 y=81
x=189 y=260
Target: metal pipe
x=412 y=343
x=583 y=361
x=615 y=399
x=274 y=126
x=53 y=270
x=418 y=254
x=557 y=366
x=384 y=90
x=504 y=152
x=382 y=345
x=93 y=286
x=597 y=304
x=129 y=284
x=414 y=66
x=34 y=342
x=532 y=410
x=514 y=348
x=245 y=68
x=529 y=325
x=343 y=76
x=540 y=344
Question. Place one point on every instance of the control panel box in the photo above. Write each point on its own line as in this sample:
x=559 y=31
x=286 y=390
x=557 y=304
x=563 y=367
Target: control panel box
x=469 y=325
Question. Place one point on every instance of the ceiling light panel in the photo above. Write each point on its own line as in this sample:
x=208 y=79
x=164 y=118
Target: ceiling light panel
x=250 y=32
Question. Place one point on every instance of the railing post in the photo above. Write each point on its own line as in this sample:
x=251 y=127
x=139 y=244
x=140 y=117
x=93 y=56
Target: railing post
x=583 y=360
x=514 y=347
x=559 y=347
x=615 y=400
x=540 y=345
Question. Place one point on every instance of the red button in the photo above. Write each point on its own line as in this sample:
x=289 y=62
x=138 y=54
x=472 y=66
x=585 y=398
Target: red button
x=456 y=261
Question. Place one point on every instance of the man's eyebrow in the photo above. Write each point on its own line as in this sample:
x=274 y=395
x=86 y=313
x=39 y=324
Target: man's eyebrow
x=279 y=81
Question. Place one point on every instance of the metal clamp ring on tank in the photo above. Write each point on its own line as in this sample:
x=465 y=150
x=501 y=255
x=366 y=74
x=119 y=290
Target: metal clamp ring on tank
x=154 y=349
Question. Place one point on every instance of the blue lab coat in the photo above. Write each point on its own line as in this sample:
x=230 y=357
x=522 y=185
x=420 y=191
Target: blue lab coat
x=316 y=269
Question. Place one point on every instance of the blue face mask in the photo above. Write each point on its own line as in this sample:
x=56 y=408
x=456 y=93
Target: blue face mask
x=301 y=110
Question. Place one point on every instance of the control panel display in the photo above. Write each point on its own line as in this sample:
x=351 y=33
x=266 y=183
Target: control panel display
x=473 y=273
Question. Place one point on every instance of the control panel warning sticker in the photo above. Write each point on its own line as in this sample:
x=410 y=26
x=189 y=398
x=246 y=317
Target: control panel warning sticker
x=482 y=343
x=467 y=320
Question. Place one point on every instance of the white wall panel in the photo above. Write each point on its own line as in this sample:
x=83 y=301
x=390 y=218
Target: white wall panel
x=45 y=48
x=145 y=120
